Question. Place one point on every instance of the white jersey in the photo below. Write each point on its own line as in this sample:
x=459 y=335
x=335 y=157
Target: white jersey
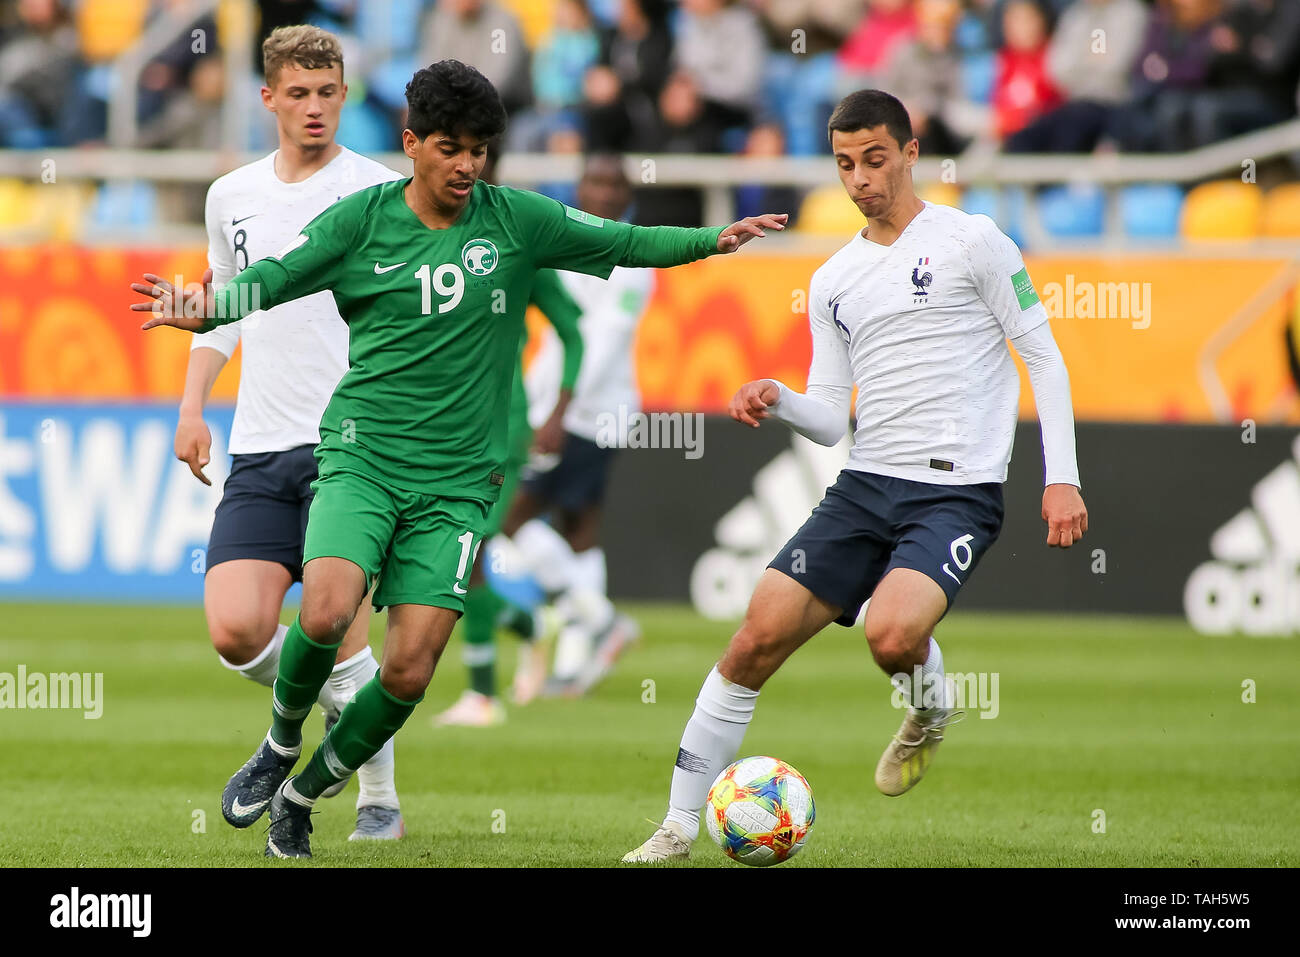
x=920 y=327
x=294 y=354
x=611 y=310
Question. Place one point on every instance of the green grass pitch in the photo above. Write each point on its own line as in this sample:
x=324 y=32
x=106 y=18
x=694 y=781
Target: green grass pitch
x=1137 y=718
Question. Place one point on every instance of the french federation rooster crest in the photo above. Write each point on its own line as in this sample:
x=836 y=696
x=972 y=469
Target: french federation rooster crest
x=921 y=279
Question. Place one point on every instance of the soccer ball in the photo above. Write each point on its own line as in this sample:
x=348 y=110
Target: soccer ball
x=760 y=811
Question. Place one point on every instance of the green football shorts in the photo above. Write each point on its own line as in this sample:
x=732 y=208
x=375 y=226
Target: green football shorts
x=421 y=547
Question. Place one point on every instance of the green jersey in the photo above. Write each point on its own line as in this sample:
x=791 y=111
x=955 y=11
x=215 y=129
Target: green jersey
x=435 y=319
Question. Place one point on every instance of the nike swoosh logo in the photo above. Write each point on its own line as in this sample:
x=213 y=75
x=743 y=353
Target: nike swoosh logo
x=455 y=586
x=241 y=810
x=380 y=272
x=236 y=222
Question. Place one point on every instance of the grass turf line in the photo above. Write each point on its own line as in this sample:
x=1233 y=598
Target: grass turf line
x=1139 y=718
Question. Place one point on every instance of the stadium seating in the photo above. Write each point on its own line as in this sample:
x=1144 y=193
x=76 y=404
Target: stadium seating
x=828 y=211
x=978 y=71
x=18 y=205
x=1282 y=212
x=125 y=204
x=1151 y=210
x=535 y=18
x=106 y=28
x=1005 y=207
x=942 y=194
x=1227 y=209
x=1077 y=211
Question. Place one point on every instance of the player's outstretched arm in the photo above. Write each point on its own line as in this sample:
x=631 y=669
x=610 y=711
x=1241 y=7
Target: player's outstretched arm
x=751 y=227
x=185 y=308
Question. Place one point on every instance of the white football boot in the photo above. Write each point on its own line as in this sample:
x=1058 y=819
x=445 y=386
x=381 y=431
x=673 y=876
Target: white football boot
x=668 y=843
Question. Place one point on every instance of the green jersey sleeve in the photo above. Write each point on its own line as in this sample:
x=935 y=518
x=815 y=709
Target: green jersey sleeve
x=561 y=237
x=307 y=265
x=563 y=312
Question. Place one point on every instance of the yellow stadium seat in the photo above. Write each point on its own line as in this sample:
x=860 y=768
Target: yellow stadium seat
x=828 y=211
x=19 y=206
x=941 y=194
x=106 y=28
x=1282 y=211
x=535 y=17
x=1228 y=209
x=62 y=208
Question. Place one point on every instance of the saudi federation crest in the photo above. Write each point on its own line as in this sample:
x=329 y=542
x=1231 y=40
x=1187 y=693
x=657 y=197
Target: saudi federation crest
x=479 y=257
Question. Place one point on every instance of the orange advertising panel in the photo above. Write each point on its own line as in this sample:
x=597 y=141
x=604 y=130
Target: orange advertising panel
x=1147 y=338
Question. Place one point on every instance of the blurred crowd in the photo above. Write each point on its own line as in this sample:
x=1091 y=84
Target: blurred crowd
x=756 y=77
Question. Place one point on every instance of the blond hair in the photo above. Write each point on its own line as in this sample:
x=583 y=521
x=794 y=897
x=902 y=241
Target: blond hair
x=304 y=45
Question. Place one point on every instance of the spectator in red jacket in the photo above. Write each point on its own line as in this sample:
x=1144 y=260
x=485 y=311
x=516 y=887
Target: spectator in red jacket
x=1023 y=89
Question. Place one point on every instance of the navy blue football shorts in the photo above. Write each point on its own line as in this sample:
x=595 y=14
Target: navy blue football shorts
x=263 y=508
x=577 y=480
x=869 y=524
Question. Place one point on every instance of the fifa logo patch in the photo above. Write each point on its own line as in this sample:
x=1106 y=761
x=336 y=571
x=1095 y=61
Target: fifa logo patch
x=479 y=257
x=921 y=280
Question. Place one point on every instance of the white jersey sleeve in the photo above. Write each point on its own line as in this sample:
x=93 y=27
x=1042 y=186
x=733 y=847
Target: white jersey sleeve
x=822 y=413
x=221 y=260
x=1051 y=384
x=1002 y=280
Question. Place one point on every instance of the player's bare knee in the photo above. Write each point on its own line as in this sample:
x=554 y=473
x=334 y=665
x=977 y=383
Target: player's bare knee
x=404 y=680
x=326 y=623
x=895 y=645
x=239 y=642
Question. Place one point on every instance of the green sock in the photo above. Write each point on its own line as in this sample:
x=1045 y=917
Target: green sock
x=521 y=622
x=369 y=720
x=304 y=668
x=482 y=605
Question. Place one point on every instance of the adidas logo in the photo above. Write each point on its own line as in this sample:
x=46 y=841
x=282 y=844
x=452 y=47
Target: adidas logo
x=1253 y=583
x=786 y=490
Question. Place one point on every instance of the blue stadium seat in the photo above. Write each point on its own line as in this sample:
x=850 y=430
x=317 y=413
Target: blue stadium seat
x=391 y=27
x=119 y=204
x=1010 y=215
x=363 y=128
x=1151 y=210
x=1072 y=212
x=978 y=70
x=970 y=34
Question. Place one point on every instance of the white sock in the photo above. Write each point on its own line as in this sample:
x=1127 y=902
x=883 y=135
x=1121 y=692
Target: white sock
x=281 y=750
x=546 y=554
x=263 y=668
x=573 y=648
x=291 y=794
x=935 y=693
x=346 y=679
x=709 y=743
x=589 y=570
x=378 y=788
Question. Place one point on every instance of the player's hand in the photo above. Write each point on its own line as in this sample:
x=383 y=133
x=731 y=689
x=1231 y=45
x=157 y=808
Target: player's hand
x=167 y=310
x=193 y=445
x=751 y=401
x=737 y=234
x=549 y=439
x=1065 y=515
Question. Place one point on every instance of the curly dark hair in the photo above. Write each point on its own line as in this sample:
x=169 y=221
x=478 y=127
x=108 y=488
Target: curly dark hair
x=453 y=98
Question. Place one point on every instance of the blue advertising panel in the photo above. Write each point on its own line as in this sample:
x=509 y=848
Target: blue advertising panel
x=95 y=506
